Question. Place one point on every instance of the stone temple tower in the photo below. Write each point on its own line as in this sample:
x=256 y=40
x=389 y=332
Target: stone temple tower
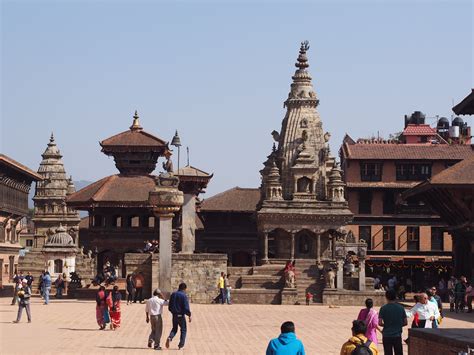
x=50 y=209
x=302 y=195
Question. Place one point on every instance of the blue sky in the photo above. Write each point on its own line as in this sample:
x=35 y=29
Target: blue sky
x=219 y=73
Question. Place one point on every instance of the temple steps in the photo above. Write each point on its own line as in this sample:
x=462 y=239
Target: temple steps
x=308 y=280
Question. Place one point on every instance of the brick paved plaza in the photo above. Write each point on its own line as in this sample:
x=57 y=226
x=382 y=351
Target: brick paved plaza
x=69 y=326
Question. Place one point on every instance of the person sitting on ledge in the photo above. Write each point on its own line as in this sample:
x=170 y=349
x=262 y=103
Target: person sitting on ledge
x=286 y=343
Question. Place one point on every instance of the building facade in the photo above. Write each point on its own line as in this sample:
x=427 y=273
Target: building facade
x=406 y=238
x=15 y=183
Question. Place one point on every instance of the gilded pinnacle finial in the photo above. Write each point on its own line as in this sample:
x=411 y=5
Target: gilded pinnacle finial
x=136 y=123
x=51 y=139
x=302 y=62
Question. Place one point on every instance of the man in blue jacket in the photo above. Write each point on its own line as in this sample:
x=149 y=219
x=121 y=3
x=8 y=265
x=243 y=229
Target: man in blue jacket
x=286 y=343
x=179 y=308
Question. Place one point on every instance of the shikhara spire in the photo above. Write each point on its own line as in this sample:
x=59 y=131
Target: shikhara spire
x=302 y=88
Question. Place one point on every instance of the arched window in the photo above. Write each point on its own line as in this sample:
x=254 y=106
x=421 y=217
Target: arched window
x=58 y=266
x=304 y=184
x=304 y=244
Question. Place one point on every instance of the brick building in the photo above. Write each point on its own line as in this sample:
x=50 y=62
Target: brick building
x=405 y=238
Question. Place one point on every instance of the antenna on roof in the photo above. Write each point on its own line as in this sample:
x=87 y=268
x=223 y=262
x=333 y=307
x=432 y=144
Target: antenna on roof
x=187 y=152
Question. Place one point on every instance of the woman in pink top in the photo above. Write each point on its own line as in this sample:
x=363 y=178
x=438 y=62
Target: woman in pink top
x=371 y=318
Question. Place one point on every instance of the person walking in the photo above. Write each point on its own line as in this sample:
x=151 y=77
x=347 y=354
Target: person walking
x=221 y=286
x=139 y=283
x=436 y=300
x=452 y=299
x=469 y=296
x=228 y=289
x=113 y=301
x=101 y=312
x=179 y=308
x=40 y=285
x=29 y=278
x=24 y=295
x=154 y=311
x=286 y=343
x=459 y=293
x=59 y=283
x=46 y=287
x=17 y=281
x=130 y=288
x=392 y=317
x=359 y=343
x=371 y=318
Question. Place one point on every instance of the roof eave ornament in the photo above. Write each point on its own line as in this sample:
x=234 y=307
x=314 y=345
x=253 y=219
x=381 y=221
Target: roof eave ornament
x=136 y=123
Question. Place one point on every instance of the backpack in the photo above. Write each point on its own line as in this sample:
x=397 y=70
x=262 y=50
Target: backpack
x=362 y=348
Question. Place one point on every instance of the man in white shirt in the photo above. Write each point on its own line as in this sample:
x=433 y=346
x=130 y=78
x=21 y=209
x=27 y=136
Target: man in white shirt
x=154 y=310
x=427 y=313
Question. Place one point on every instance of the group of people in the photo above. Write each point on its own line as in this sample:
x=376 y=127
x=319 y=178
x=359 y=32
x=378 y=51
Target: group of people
x=390 y=320
x=108 y=275
x=224 y=287
x=461 y=294
x=108 y=308
x=135 y=283
x=108 y=311
x=151 y=246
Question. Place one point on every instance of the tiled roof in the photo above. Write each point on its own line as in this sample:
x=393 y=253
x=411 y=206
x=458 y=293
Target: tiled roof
x=115 y=189
x=466 y=106
x=419 y=130
x=237 y=199
x=191 y=171
x=380 y=151
x=461 y=173
x=19 y=167
x=137 y=138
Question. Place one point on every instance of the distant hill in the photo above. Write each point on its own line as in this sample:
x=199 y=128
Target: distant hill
x=78 y=184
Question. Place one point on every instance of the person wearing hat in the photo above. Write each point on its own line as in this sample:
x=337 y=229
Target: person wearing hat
x=24 y=295
x=154 y=311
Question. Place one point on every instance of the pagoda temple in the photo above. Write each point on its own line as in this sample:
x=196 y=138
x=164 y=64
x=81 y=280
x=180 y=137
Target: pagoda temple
x=121 y=218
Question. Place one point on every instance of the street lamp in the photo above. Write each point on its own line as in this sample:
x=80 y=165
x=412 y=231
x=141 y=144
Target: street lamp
x=176 y=142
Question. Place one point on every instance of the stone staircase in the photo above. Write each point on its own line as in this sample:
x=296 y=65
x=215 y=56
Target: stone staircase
x=308 y=280
x=259 y=285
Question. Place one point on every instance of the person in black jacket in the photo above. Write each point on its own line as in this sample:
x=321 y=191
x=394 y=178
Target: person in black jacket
x=24 y=294
x=179 y=308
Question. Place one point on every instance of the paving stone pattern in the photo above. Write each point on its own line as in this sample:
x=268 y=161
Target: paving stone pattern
x=69 y=327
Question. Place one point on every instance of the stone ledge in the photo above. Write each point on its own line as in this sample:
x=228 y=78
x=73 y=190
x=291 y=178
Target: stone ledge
x=450 y=337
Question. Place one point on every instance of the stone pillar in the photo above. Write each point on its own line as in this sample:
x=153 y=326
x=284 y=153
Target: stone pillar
x=265 y=248
x=292 y=256
x=361 y=274
x=166 y=252
x=166 y=199
x=318 y=248
x=188 y=218
x=340 y=275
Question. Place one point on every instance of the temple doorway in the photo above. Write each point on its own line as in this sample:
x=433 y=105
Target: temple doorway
x=304 y=245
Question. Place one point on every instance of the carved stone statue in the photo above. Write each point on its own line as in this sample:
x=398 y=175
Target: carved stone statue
x=89 y=254
x=289 y=275
x=331 y=275
x=168 y=165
